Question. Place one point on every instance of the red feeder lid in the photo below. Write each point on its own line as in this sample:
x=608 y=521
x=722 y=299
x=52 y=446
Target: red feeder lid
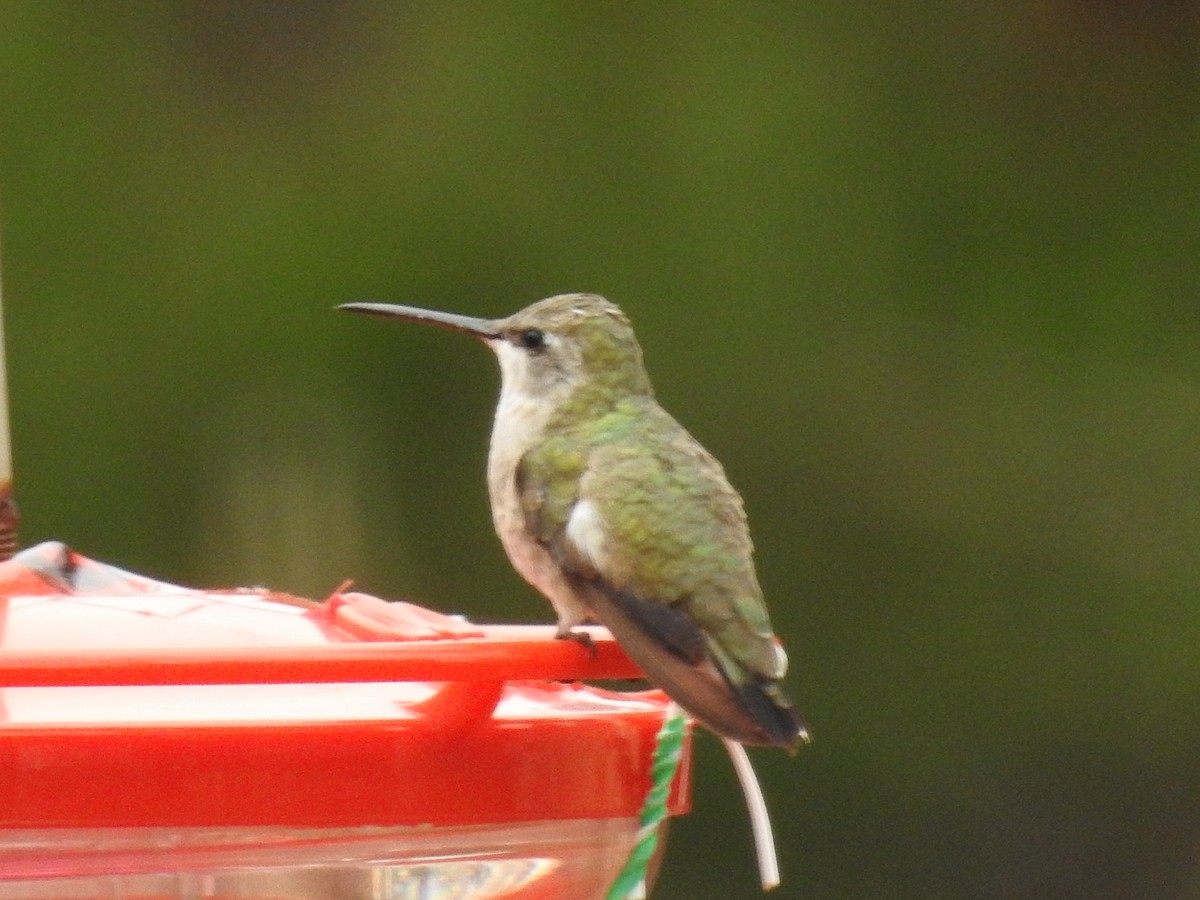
x=129 y=702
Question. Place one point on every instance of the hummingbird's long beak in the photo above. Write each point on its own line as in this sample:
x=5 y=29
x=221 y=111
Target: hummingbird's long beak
x=480 y=328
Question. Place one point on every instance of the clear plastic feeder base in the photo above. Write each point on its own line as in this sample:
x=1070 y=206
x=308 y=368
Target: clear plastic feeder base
x=530 y=860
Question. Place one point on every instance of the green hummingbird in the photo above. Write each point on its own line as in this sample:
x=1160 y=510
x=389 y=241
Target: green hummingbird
x=606 y=505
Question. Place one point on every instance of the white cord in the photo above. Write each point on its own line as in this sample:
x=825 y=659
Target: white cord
x=760 y=821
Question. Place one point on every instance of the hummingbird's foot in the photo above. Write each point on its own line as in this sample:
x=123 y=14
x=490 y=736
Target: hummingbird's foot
x=580 y=637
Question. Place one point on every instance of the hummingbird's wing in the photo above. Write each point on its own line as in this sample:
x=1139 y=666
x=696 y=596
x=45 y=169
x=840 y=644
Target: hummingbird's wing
x=652 y=534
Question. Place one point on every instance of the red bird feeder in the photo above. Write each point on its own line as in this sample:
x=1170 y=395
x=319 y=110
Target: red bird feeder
x=161 y=742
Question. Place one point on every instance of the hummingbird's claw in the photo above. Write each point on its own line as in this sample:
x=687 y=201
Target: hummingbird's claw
x=580 y=637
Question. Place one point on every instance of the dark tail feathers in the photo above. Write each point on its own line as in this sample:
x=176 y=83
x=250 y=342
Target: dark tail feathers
x=769 y=709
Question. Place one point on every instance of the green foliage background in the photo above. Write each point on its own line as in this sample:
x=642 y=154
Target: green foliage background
x=924 y=276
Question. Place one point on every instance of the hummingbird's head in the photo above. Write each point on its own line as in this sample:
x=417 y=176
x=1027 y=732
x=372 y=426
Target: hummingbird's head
x=571 y=345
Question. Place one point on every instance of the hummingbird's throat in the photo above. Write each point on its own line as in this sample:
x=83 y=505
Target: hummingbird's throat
x=523 y=408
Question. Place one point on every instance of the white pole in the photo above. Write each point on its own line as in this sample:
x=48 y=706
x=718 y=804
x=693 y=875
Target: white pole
x=8 y=507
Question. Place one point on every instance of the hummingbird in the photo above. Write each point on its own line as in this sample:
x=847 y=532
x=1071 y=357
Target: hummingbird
x=608 y=507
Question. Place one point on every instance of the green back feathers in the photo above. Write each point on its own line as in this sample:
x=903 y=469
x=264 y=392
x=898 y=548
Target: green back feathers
x=676 y=530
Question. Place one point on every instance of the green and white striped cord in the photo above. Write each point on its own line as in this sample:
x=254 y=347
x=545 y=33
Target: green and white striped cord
x=631 y=883
x=668 y=750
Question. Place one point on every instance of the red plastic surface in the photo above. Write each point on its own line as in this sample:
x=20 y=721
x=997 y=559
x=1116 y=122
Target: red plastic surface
x=128 y=702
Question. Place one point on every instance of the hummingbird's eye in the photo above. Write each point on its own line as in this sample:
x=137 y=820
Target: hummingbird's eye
x=532 y=339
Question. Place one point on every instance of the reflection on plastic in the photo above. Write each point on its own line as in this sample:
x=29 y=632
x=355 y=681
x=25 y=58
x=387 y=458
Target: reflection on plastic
x=533 y=861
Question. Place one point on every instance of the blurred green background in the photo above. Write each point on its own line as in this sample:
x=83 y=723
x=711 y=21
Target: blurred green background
x=926 y=277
